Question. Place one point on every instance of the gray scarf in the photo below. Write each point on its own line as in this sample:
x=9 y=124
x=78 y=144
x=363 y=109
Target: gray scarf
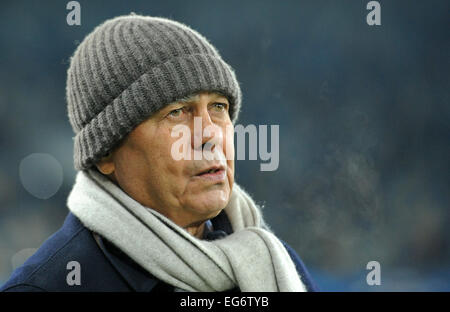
x=251 y=258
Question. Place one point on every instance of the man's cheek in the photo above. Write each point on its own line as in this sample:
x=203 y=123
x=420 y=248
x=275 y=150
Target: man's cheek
x=228 y=144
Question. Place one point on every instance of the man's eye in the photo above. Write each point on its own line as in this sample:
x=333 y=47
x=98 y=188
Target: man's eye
x=176 y=112
x=220 y=106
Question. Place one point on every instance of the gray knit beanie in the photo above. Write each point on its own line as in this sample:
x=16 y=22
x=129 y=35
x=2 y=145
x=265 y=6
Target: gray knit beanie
x=128 y=68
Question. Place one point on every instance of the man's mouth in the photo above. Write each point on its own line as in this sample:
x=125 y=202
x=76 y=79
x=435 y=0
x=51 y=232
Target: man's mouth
x=214 y=173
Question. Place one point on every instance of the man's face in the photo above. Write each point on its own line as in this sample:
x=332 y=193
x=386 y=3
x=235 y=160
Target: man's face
x=144 y=167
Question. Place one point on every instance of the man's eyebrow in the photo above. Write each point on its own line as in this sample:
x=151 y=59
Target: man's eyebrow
x=194 y=97
x=189 y=98
x=220 y=95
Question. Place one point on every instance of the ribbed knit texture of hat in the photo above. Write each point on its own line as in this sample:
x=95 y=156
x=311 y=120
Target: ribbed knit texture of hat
x=129 y=67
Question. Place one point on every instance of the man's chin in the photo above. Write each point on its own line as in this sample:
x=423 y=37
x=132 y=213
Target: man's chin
x=210 y=202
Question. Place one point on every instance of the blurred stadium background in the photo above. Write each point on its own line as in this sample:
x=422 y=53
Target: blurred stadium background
x=364 y=115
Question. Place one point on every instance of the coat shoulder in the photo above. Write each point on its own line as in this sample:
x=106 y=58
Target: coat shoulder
x=48 y=268
x=301 y=269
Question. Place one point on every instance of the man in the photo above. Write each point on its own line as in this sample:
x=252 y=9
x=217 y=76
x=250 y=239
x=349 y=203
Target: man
x=140 y=219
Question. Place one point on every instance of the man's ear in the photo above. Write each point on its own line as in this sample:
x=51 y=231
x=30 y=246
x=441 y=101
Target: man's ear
x=106 y=164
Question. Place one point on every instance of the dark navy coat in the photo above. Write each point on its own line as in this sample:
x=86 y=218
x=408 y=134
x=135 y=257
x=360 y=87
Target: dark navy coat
x=103 y=267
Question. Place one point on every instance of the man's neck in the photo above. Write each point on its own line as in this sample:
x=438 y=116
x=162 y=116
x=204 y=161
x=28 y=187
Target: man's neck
x=196 y=230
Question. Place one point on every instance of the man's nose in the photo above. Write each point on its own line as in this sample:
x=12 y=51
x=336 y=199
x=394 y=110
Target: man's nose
x=205 y=132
